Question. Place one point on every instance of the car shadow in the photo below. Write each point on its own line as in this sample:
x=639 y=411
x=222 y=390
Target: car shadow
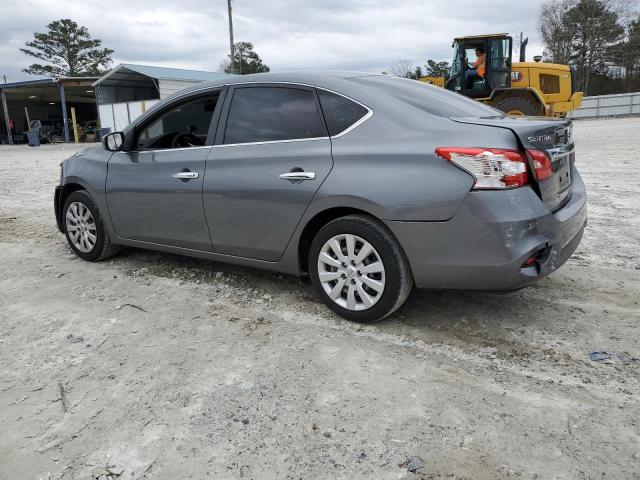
x=506 y=322
x=498 y=320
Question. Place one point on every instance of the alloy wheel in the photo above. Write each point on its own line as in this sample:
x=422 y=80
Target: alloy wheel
x=81 y=227
x=351 y=272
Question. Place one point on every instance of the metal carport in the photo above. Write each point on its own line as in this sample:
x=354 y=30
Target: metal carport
x=128 y=90
x=46 y=99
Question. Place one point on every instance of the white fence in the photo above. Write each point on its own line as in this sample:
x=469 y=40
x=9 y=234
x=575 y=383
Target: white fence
x=608 y=106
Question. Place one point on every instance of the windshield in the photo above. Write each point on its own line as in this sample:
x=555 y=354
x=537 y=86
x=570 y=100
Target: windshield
x=434 y=100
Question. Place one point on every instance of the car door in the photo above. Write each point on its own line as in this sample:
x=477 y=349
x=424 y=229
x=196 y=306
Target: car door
x=271 y=155
x=154 y=190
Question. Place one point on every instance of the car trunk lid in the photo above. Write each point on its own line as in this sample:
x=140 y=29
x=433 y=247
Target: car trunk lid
x=551 y=136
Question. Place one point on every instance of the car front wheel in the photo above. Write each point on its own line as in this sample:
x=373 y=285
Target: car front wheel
x=85 y=229
x=359 y=269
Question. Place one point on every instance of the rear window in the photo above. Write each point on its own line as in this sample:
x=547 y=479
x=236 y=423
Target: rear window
x=339 y=112
x=434 y=100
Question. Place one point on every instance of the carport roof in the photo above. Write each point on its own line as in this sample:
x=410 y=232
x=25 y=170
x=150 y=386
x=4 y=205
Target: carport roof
x=77 y=89
x=73 y=81
x=128 y=72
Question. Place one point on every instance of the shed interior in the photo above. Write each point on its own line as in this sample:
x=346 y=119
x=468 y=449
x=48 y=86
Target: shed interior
x=50 y=101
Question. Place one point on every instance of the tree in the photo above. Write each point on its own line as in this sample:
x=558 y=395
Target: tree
x=402 y=68
x=556 y=34
x=245 y=60
x=596 y=29
x=69 y=51
x=437 y=69
x=627 y=54
x=586 y=34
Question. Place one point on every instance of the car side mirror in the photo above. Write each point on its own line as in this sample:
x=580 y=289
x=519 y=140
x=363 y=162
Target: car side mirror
x=113 y=142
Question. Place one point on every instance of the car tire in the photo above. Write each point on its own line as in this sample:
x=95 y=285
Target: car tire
x=343 y=287
x=518 y=106
x=87 y=234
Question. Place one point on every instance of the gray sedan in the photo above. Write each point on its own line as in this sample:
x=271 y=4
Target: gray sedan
x=366 y=183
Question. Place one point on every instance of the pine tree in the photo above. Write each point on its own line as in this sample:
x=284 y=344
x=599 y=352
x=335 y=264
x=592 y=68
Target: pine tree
x=68 y=50
x=245 y=60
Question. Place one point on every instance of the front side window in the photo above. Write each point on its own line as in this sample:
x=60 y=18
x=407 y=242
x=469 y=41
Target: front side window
x=263 y=114
x=339 y=112
x=184 y=126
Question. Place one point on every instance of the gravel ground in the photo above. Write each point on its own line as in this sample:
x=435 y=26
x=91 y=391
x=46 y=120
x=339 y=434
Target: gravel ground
x=176 y=368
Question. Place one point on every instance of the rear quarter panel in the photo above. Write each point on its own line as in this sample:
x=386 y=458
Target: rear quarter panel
x=388 y=167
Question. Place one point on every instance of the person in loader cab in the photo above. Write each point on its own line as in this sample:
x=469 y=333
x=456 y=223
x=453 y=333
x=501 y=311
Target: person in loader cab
x=476 y=70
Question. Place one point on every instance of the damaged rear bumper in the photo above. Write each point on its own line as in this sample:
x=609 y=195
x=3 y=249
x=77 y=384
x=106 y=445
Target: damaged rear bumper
x=486 y=244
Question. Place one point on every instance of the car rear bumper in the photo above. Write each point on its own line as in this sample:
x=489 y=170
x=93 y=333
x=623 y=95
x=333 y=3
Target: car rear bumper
x=485 y=245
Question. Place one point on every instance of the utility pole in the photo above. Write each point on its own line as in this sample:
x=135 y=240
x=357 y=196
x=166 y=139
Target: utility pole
x=233 y=70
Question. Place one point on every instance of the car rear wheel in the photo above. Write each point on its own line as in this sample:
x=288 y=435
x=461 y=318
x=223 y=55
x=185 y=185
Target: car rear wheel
x=85 y=229
x=359 y=269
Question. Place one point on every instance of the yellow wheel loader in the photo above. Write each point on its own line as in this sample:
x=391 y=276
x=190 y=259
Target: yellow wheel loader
x=522 y=88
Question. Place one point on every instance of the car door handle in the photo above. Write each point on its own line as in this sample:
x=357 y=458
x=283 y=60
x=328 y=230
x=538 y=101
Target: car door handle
x=298 y=176
x=185 y=175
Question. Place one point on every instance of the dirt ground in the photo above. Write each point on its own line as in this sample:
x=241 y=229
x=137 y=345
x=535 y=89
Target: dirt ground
x=176 y=368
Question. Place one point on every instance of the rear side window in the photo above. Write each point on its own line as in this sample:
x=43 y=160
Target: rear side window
x=434 y=100
x=339 y=112
x=263 y=114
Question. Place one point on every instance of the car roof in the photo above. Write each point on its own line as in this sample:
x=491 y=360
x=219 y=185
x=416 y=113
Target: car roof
x=333 y=80
x=327 y=79
x=370 y=93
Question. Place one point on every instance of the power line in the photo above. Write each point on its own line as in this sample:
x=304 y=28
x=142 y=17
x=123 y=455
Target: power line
x=344 y=59
x=376 y=55
x=371 y=56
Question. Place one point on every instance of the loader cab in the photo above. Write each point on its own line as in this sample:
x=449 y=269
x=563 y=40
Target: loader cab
x=497 y=50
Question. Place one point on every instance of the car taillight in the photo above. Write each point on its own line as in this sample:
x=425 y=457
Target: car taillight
x=541 y=164
x=493 y=168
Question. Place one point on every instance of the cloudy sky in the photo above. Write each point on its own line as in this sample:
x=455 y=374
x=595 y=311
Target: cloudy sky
x=368 y=35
